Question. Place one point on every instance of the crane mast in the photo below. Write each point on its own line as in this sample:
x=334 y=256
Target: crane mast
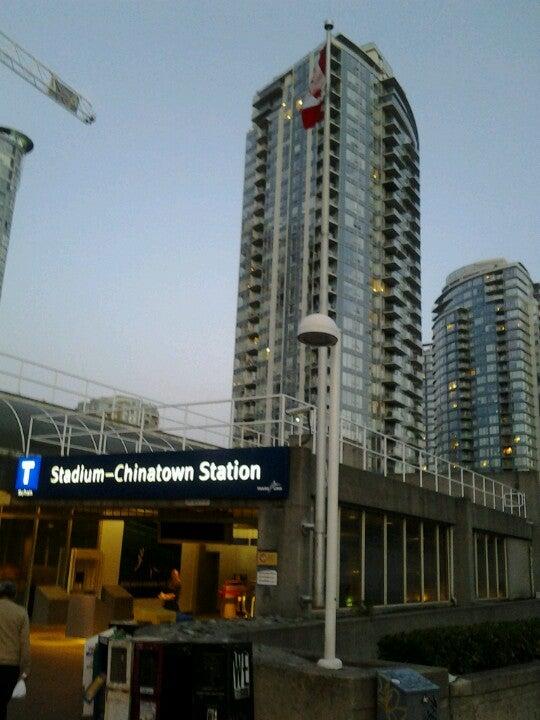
x=44 y=80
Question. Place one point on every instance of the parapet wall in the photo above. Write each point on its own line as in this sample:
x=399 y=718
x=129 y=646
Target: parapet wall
x=293 y=687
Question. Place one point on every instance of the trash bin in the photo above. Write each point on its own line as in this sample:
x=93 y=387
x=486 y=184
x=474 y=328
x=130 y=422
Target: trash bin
x=222 y=680
x=405 y=693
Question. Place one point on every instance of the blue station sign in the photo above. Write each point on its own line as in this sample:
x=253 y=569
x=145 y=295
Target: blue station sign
x=249 y=473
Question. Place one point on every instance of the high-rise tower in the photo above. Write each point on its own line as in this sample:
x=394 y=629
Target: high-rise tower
x=371 y=222
x=485 y=380
x=13 y=146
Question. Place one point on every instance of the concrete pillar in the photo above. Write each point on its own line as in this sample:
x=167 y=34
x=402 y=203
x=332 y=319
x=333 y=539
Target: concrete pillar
x=111 y=534
x=529 y=483
x=189 y=574
x=464 y=570
x=280 y=530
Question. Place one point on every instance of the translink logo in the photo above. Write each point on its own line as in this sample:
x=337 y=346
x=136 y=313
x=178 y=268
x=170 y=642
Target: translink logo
x=27 y=478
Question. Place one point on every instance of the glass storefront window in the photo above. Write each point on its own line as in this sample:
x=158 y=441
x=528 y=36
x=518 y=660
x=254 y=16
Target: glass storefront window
x=430 y=562
x=350 y=585
x=481 y=568
x=414 y=580
x=374 y=559
x=501 y=567
x=403 y=560
x=490 y=566
x=444 y=593
x=394 y=562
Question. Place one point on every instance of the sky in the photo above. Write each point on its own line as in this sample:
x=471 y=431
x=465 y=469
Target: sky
x=124 y=251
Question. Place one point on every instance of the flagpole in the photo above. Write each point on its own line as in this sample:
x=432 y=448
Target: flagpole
x=320 y=505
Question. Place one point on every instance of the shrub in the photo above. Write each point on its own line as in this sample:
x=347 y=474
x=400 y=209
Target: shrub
x=466 y=648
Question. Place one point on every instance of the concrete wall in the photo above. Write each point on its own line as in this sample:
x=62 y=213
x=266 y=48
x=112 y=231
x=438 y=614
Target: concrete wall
x=529 y=483
x=280 y=530
x=519 y=568
x=511 y=693
x=293 y=687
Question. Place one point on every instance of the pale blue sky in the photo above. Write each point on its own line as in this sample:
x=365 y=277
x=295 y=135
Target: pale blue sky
x=124 y=249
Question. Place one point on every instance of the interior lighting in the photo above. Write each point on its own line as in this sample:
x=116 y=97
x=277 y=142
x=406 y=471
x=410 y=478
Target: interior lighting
x=283 y=104
x=484 y=463
x=288 y=115
x=268 y=351
x=517 y=439
x=299 y=104
x=452 y=385
x=450 y=326
x=507 y=450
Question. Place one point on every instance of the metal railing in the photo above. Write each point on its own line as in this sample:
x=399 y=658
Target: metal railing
x=396 y=458
x=254 y=421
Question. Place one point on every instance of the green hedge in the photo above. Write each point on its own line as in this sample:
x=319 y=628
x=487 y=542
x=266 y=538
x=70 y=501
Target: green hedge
x=466 y=648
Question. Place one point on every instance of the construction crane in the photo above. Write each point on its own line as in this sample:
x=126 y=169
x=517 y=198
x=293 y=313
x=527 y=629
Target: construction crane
x=44 y=80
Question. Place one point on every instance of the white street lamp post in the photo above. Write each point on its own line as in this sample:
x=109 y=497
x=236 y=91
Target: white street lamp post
x=320 y=330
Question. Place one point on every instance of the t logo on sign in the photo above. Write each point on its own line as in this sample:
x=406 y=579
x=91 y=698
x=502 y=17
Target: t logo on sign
x=241 y=675
x=27 y=477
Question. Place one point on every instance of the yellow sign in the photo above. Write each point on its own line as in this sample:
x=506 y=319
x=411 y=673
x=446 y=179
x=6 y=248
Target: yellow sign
x=266 y=557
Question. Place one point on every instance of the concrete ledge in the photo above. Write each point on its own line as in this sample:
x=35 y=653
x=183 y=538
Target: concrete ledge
x=292 y=686
x=511 y=693
x=513 y=676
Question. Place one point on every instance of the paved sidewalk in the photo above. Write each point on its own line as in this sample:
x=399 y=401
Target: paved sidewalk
x=54 y=686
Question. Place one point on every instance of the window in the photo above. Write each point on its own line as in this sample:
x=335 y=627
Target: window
x=490 y=563
x=374 y=559
x=394 y=563
x=414 y=590
x=350 y=585
x=389 y=559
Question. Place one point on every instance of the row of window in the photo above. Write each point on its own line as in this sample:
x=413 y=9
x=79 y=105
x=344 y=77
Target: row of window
x=390 y=560
x=387 y=559
x=491 y=572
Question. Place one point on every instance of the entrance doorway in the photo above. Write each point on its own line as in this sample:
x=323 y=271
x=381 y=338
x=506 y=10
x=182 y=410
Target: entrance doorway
x=208 y=583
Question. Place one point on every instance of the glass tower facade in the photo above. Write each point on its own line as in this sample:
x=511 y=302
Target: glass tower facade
x=373 y=238
x=485 y=379
x=429 y=400
x=13 y=146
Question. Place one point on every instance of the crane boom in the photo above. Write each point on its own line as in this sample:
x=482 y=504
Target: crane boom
x=44 y=80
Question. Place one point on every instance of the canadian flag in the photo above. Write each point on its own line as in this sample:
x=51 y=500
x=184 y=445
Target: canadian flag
x=313 y=106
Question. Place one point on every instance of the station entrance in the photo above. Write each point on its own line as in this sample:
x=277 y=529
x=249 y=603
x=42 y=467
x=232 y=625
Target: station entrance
x=86 y=548
x=214 y=551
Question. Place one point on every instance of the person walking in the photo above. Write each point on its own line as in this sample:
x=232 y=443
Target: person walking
x=14 y=644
